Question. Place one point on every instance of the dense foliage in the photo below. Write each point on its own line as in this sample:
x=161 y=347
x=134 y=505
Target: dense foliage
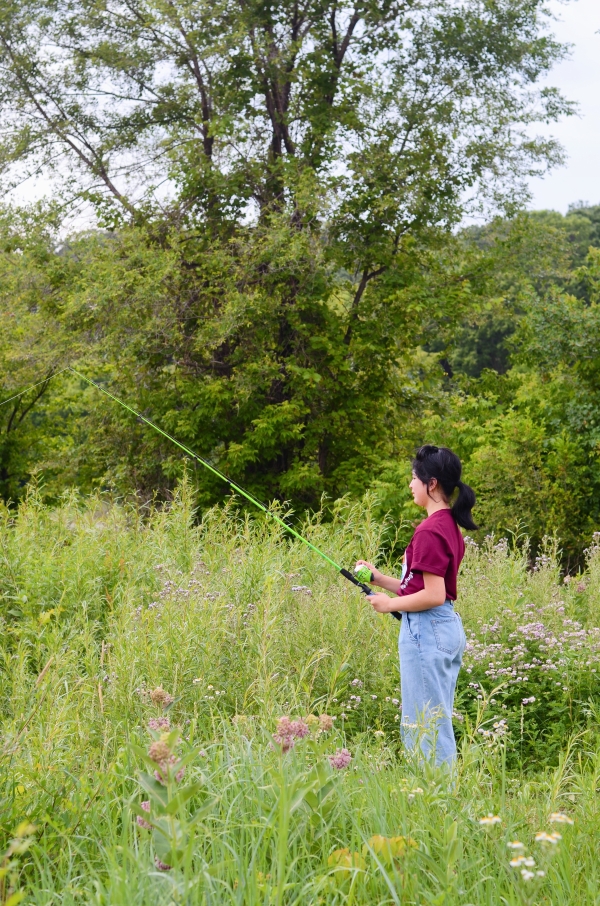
x=275 y=274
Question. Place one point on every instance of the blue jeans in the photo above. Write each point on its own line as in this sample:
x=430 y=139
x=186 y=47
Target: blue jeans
x=431 y=647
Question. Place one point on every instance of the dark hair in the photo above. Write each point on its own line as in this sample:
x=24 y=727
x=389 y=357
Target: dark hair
x=441 y=463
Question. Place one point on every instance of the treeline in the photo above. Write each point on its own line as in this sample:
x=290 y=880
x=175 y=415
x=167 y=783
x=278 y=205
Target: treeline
x=275 y=274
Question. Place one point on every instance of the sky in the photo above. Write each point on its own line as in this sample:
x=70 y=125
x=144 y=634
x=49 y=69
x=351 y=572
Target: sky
x=578 y=77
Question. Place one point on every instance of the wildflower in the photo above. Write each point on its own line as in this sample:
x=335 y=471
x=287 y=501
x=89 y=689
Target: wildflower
x=159 y=723
x=288 y=731
x=325 y=722
x=515 y=844
x=552 y=839
x=159 y=751
x=340 y=760
x=560 y=818
x=162 y=866
x=412 y=793
x=489 y=820
x=529 y=701
x=541 y=874
x=299 y=729
x=163 y=768
x=525 y=861
x=380 y=734
x=142 y=823
x=158 y=696
x=526 y=874
x=312 y=721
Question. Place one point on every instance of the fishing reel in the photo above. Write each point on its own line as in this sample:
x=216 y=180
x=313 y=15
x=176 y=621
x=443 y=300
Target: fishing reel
x=362 y=575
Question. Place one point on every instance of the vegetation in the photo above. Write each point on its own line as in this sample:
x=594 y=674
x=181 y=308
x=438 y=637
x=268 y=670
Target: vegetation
x=194 y=708
x=274 y=270
x=119 y=618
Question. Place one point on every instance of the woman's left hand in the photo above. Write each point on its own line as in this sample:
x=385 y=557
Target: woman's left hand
x=380 y=603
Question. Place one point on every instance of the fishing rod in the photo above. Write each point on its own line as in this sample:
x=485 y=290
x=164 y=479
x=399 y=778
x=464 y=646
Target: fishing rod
x=362 y=575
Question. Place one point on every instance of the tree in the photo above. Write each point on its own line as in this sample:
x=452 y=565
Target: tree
x=280 y=180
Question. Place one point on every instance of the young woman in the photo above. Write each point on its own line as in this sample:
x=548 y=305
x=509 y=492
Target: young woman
x=432 y=638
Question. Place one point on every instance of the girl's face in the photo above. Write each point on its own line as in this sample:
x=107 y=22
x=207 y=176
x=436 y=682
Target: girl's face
x=419 y=491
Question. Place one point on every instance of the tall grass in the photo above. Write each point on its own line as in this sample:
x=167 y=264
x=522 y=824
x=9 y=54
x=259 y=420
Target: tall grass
x=103 y=602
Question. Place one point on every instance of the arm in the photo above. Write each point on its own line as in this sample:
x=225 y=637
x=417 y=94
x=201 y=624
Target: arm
x=433 y=595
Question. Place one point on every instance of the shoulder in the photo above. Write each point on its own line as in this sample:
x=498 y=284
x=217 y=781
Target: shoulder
x=440 y=526
x=440 y=523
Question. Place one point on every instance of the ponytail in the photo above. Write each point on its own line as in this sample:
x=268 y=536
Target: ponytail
x=462 y=506
x=444 y=465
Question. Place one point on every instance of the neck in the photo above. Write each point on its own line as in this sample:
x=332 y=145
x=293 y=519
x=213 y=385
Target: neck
x=434 y=505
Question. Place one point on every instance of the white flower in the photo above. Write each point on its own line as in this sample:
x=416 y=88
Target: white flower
x=552 y=839
x=560 y=818
x=490 y=819
x=527 y=875
x=515 y=844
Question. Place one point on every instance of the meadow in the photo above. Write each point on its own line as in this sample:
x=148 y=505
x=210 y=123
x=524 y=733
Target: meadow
x=147 y=661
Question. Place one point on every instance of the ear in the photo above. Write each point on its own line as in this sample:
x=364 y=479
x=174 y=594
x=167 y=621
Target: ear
x=433 y=483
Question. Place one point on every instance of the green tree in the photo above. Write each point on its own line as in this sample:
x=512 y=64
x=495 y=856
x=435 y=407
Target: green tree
x=277 y=184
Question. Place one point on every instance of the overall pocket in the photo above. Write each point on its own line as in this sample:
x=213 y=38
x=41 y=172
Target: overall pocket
x=448 y=634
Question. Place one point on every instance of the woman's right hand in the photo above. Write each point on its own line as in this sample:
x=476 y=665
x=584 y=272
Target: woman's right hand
x=374 y=570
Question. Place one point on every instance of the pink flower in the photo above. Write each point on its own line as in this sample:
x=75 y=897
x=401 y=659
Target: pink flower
x=299 y=729
x=162 y=866
x=159 y=723
x=288 y=731
x=146 y=806
x=160 y=774
x=340 y=760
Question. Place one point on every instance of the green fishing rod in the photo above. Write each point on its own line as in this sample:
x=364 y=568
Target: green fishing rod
x=363 y=573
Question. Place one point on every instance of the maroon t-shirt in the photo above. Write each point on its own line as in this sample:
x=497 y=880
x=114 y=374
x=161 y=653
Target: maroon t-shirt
x=436 y=547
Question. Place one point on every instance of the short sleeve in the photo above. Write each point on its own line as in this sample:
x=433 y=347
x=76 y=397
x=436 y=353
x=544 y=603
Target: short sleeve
x=430 y=553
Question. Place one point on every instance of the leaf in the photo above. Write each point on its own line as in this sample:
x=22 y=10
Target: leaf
x=157 y=792
x=182 y=796
x=15 y=898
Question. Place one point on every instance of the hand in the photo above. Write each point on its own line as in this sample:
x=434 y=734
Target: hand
x=374 y=570
x=380 y=602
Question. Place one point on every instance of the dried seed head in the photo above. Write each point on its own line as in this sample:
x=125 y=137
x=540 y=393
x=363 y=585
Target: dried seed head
x=325 y=722
x=161 y=698
x=159 y=751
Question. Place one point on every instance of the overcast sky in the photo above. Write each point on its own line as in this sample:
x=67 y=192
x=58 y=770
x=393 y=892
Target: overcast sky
x=579 y=79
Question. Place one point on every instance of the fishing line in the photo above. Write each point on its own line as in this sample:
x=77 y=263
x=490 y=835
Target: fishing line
x=39 y=383
x=232 y=484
